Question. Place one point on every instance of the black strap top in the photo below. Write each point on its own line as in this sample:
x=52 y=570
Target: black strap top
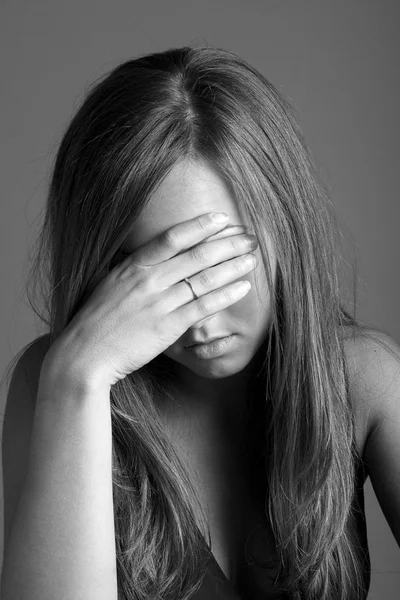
x=216 y=586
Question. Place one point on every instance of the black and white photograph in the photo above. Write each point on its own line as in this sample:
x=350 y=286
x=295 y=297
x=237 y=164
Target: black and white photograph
x=200 y=350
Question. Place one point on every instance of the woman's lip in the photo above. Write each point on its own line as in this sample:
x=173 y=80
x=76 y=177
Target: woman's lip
x=213 y=349
x=220 y=337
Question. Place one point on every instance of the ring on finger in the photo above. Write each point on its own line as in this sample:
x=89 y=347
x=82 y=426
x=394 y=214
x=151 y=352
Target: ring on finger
x=191 y=287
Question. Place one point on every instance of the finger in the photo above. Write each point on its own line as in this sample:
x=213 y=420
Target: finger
x=211 y=303
x=209 y=280
x=203 y=256
x=176 y=239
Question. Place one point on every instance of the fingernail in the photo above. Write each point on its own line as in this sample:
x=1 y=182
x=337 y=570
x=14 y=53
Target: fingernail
x=219 y=217
x=251 y=240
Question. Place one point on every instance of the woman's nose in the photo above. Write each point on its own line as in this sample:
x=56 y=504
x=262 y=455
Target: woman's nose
x=202 y=322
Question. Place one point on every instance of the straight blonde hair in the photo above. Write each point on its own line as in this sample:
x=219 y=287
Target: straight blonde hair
x=134 y=125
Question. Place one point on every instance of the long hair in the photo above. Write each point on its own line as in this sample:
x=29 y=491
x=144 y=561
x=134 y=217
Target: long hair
x=133 y=126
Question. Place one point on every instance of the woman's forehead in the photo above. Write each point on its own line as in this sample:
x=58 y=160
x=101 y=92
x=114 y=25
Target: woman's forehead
x=187 y=192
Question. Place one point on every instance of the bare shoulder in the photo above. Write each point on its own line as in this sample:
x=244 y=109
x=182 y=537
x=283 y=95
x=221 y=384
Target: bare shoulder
x=374 y=380
x=373 y=365
x=373 y=362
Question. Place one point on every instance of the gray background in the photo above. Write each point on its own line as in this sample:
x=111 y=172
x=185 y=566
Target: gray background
x=336 y=61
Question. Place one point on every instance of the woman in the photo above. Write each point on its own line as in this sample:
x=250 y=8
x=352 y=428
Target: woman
x=192 y=437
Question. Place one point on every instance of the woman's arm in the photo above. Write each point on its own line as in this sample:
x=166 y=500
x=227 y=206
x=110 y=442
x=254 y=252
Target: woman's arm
x=378 y=377
x=58 y=494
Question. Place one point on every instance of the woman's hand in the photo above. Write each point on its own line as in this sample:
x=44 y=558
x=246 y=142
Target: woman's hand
x=142 y=306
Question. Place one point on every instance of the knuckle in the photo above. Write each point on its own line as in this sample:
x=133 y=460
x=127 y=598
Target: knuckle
x=227 y=293
x=201 y=254
x=129 y=271
x=170 y=238
x=202 y=305
x=236 y=243
x=240 y=264
x=146 y=283
x=206 y=278
x=149 y=283
x=201 y=223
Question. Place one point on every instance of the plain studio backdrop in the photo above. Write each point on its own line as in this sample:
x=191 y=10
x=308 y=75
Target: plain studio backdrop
x=336 y=61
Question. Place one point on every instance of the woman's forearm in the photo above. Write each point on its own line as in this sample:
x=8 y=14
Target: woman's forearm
x=62 y=544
